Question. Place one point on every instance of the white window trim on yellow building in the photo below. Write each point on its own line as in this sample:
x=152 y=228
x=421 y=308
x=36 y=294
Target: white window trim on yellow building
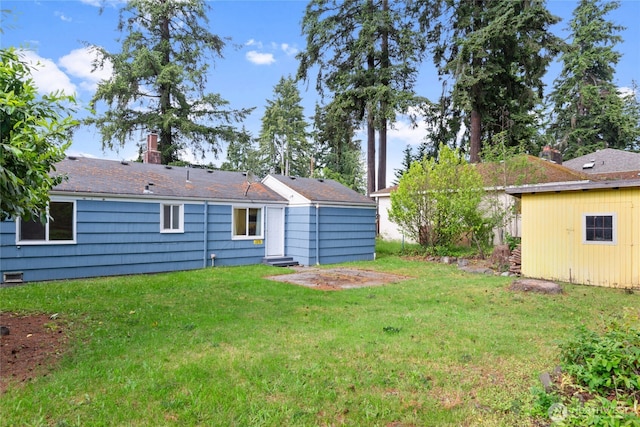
x=614 y=226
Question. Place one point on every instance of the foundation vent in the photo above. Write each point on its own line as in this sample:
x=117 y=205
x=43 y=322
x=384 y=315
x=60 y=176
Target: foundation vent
x=13 y=277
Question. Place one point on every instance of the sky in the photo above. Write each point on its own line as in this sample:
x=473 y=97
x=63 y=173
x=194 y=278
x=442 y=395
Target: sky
x=265 y=36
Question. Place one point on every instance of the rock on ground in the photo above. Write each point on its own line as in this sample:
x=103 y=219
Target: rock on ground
x=535 y=285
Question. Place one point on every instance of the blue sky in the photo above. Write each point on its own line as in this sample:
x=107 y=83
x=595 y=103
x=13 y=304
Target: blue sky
x=265 y=36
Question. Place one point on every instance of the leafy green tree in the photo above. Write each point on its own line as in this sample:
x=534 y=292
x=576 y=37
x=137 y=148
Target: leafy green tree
x=34 y=133
x=283 y=136
x=437 y=201
x=497 y=52
x=589 y=112
x=159 y=78
x=367 y=54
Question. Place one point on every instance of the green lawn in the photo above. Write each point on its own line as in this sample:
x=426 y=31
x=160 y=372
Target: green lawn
x=225 y=347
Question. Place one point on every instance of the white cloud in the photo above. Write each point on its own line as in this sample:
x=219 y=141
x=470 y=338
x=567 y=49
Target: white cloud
x=625 y=92
x=101 y=3
x=78 y=63
x=63 y=17
x=289 y=50
x=76 y=153
x=253 y=42
x=406 y=133
x=260 y=58
x=46 y=74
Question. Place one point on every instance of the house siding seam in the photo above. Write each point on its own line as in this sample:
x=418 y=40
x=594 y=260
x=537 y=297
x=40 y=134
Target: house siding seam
x=553 y=246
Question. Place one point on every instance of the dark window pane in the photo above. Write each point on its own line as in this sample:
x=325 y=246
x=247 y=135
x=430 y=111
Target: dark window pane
x=31 y=230
x=599 y=222
x=590 y=221
x=61 y=221
x=254 y=222
x=166 y=217
x=175 y=219
x=599 y=228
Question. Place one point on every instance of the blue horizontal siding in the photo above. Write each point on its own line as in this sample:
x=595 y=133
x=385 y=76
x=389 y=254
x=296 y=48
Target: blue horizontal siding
x=123 y=237
x=344 y=234
x=300 y=234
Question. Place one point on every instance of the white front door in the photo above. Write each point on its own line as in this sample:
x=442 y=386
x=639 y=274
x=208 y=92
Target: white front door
x=275 y=232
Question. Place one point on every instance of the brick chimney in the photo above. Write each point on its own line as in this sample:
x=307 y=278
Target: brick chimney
x=551 y=154
x=152 y=155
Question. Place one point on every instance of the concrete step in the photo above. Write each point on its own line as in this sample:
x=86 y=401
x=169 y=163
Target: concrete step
x=280 y=262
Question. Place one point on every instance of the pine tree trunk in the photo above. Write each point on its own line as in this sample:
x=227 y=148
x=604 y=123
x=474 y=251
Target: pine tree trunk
x=382 y=143
x=371 y=152
x=476 y=140
x=382 y=155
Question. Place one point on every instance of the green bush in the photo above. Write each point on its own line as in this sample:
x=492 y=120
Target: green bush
x=512 y=241
x=600 y=384
x=606 y=363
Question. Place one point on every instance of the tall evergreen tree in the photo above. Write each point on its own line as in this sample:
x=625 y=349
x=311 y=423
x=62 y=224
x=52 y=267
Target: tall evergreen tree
x=242 y=155
x=283 y=136
x=589 y=112
x=338 y=154
x=497 y=52
x=159 y=80
x=407 y=159
x=367 y=53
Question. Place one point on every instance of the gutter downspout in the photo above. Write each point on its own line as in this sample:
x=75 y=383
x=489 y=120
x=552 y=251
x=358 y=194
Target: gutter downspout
x=317 y=234
x=205 y=242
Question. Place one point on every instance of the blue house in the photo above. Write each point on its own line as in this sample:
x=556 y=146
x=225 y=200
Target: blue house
x=117 y=218
x=325 y=222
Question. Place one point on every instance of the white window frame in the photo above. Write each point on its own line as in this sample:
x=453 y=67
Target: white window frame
x=180 y=228
x=614 y=229
x=259 y=236
x=47 y=240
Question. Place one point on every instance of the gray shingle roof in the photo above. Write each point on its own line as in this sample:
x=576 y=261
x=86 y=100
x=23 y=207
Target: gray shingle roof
x=608 y=160
x=324 y=190
x=113 y=178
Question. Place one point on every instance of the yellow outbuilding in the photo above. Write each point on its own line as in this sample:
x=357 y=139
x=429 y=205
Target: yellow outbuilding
x=584 y=232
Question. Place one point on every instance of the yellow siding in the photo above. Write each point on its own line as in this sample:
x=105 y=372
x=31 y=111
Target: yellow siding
x=552 y=238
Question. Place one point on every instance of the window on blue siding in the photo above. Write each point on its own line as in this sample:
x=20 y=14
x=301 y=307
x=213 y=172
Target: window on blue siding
x=172 y=218
x=599 y=228
x=59 y=227
x=247 y=222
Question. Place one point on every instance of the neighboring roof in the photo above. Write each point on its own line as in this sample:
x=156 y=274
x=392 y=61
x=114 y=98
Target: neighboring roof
x=606 y=161
x=385 y=191
x=527 y=169
x=532 y=170
x=114 y=178
x=317 y=190
x=573 y=186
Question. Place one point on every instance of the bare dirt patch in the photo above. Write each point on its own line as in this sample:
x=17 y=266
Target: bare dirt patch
x=337 y=279
x=31 y=347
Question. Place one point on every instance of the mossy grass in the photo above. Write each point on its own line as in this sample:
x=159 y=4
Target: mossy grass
x=224 y=346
